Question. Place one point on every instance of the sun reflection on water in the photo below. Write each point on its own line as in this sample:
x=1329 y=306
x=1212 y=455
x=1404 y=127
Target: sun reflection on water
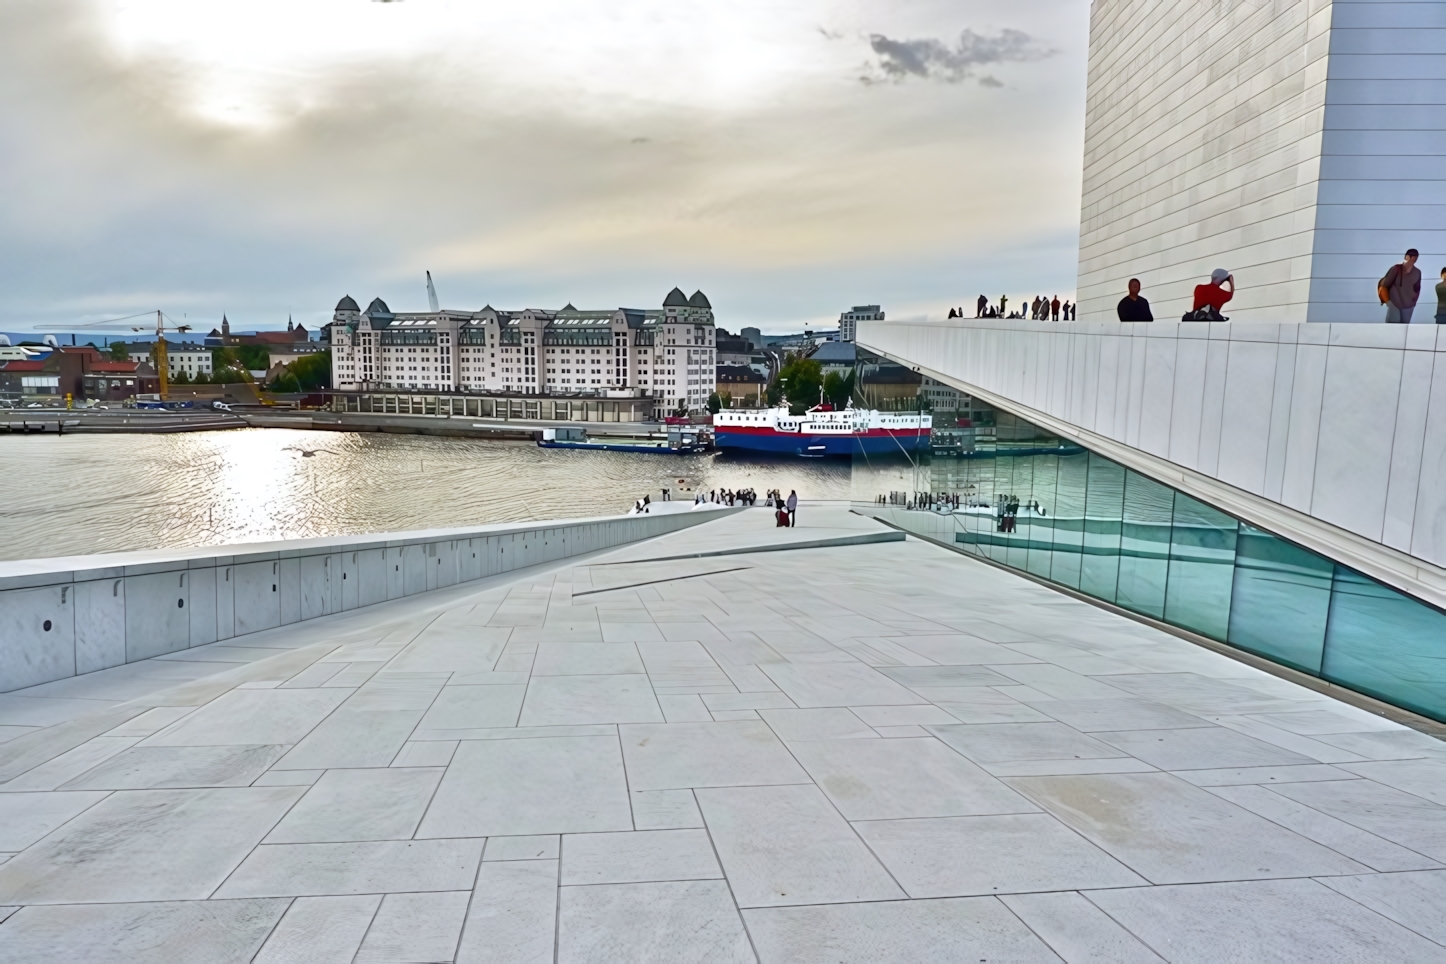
x=76 y=494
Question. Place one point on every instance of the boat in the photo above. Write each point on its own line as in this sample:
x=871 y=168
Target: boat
x=677 y=441
x=822 y=430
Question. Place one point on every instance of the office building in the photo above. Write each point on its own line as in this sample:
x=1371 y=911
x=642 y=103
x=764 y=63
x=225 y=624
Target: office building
x=181 y=357
x=848 y=322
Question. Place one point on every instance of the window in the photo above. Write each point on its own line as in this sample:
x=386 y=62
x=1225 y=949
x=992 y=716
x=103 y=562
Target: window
x=1046 y=506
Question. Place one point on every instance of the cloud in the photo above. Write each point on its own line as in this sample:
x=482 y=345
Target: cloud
x=936 y=60
x=511 y=189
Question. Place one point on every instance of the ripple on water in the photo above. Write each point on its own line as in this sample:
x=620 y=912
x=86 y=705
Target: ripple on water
x=72 y=494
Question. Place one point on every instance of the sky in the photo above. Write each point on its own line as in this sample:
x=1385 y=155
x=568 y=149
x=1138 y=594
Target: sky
x=791 y=158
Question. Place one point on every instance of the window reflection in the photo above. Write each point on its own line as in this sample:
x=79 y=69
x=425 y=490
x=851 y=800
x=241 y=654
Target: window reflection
x=1032 y=501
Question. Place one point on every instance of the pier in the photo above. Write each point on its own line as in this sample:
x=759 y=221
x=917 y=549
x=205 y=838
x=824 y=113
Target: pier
x=728 y=742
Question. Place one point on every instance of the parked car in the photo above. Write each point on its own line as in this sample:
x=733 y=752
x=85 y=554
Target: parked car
x=221 y=406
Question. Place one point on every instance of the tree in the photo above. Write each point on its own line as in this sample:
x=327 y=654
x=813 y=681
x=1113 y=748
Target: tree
x=119 y=351
x=229 y=375
x=773 y=394
x=312 y=372
x=714 y=403
x=180 y=378
x=725 y=400
x=201 y=378
x=802 y=379
x=285 y=382
x=838 y=389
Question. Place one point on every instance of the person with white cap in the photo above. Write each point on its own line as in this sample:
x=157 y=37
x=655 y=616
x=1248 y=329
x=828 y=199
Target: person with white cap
x=1214 y=294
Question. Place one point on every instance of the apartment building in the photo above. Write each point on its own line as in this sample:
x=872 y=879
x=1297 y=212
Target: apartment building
x=667 y=353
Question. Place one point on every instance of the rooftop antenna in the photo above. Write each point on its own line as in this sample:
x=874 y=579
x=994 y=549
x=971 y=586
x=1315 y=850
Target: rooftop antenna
x=432 y=294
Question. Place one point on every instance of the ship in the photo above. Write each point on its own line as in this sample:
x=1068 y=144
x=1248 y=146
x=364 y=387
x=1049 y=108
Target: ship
x=677 y=441
x=821 y=431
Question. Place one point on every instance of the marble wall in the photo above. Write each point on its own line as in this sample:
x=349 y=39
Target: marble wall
x=1296 y=143
x=1344 y=424
x=64 y=617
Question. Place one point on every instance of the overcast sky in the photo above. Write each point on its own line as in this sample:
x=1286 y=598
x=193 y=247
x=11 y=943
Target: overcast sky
x=789 y=157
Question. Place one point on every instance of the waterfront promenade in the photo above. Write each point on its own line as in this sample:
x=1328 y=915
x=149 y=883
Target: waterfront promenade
x=877 y=751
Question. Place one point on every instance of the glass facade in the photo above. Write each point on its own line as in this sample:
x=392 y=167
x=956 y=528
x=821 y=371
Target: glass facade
x=1026 y=499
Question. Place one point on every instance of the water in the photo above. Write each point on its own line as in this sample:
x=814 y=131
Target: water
x=77 y=494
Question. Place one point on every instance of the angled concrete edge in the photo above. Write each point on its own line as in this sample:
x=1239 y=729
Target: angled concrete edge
x=863 y=539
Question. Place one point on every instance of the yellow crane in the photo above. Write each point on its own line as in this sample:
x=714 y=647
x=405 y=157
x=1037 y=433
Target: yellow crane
x=163 y=367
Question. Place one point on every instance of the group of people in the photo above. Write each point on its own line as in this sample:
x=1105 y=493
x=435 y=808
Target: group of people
x=729 y=497
x=1007 y=510
x=785 y=510
x=1398 y=290
x=1046 y=309
x=1209 y=299
x=1040 y=309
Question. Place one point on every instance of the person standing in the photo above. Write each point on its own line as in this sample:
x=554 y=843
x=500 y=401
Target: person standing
x=1054 y=309
x=982 y=304
x=1214 y=295
x=1400 y=289
x=1132 y=307
x=1441 y=299
x=792 y=507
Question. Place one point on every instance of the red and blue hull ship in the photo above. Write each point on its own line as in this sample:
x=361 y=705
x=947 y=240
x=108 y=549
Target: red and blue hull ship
x=822 y=431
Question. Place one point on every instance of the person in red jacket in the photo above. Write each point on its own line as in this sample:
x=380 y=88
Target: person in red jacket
x=1214 y=293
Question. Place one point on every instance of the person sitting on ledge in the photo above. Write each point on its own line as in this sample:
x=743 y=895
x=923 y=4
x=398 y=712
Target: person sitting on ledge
x=1132 y=307
x=1213 y=294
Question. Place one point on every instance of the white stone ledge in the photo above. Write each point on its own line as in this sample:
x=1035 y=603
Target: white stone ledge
x=71 y=615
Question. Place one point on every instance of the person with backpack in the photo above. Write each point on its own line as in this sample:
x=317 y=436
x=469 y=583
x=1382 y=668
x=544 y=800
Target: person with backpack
x=1400 y=289
x=1210 y=298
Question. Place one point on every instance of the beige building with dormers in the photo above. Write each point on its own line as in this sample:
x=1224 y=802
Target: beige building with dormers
x=666 y=354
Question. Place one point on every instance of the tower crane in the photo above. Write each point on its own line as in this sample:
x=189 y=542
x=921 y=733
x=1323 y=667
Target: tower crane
x=163 y=368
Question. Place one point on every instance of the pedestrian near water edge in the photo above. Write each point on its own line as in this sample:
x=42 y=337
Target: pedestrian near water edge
x=1132 y=307
x=1400 y=289
x=1441 y=299
x=1214 y=295
x=792 y=507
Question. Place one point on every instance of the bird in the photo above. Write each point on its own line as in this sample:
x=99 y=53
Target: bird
x=307 y=453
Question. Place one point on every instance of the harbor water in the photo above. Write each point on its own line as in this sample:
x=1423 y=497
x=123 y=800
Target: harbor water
x=76 y=494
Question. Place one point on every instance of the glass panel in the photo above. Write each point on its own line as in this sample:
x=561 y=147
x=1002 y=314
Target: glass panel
x=1202 y=568
x=1104 y=508
x=1016 y=494
x=1386 y=644
x=1037 y=516
x=1145 y=545
x=1280 y=599
x=1068 y=512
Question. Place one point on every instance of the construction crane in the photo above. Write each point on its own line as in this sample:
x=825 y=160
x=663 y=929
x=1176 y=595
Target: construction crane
x=163 y=368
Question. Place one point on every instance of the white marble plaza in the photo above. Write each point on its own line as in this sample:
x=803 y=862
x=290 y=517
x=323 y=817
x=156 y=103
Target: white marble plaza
x=870 y=752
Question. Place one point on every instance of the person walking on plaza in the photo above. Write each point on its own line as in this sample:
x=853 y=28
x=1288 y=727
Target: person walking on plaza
x=1214 y=295
x=1400 y=289
x=1441 y=299
x=792 y=507
x=1054 y=309
x=1132 y=307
